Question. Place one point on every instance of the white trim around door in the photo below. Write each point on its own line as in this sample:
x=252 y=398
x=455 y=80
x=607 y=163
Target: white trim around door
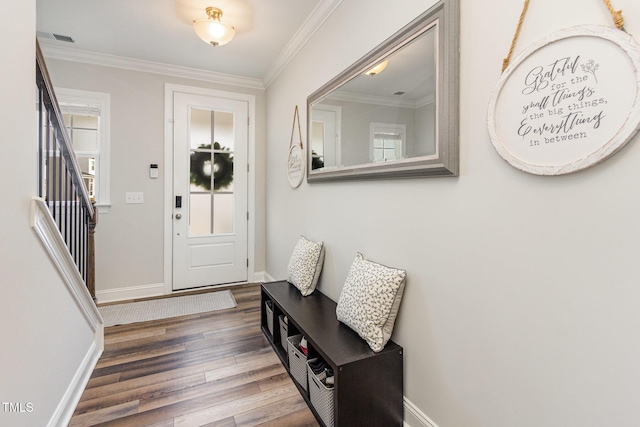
x=170 y=90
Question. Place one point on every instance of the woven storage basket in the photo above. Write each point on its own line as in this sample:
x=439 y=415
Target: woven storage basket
x=297 y=361
x=284 y=328
x=269 y=314
x=321 y=398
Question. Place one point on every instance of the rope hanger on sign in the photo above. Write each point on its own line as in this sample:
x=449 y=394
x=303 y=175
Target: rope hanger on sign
x=618 y=20
x=296 y=117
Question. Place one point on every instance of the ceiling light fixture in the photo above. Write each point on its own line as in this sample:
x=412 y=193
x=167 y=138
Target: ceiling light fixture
x=212 y=30
x=377 y=69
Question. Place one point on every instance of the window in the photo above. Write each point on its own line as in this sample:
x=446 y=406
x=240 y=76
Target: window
x=86 y=116
x=83 y=130
x=211 y=189
x=387 y=141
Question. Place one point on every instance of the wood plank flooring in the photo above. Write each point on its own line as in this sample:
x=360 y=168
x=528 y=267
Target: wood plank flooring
x=212 y=369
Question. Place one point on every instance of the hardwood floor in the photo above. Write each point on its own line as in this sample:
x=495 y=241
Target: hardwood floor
x=213 y=369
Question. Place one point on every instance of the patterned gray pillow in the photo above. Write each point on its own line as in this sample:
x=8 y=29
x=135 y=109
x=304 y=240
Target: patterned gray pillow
x=305 y=265
x=370 y=300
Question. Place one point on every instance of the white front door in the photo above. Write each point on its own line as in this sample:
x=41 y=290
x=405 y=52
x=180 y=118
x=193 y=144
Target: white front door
x=210 y=143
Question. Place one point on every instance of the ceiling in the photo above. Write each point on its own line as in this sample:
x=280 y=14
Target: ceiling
x=268 y=33
x=400 y=79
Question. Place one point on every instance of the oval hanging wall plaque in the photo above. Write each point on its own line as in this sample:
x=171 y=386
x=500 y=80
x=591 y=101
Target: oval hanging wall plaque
x=296 y=160
x=567 y=102
x=295 y=166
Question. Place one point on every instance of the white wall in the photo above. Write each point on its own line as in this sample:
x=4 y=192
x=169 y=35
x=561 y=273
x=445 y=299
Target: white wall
x=521 y=307
x=425 y=131
x=356 y=133
x=44 y=335
x=129 y=239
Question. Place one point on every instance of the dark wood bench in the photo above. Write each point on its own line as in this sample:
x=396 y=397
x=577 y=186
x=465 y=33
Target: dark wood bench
x=368 y=386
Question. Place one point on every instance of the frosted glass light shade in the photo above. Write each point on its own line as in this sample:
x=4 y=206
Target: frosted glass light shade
x=377 y=69
x=214 y=32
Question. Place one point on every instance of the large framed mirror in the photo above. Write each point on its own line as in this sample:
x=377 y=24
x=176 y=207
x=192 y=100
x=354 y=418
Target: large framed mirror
x=394 y=112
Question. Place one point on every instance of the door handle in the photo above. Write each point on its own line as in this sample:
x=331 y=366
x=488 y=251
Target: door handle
x=178 y=216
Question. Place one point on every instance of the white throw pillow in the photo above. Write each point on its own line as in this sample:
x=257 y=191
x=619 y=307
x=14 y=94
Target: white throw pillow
x=305 y=265
x=370 y=300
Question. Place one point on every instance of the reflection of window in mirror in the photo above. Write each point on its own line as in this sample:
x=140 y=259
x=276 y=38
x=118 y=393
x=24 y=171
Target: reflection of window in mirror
x=387 y=141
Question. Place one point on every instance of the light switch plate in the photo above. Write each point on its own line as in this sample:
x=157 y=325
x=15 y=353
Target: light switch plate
x=133 y=197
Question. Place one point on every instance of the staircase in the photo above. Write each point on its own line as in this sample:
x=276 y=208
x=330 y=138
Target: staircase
x=63 y=201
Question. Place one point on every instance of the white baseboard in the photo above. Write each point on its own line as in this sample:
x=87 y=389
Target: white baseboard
x=158 y=289
x=268 y=277
x=72 y=396
x=262 y=276
x=131 y=292
x=414 y=417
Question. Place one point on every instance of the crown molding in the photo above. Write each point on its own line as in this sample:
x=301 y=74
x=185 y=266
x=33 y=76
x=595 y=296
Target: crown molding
x=381 y=100
x=320 y=14
x=86 y=57
x=314 y=21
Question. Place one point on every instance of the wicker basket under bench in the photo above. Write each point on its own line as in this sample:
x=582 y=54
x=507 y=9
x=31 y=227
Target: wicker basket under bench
x=368 y=385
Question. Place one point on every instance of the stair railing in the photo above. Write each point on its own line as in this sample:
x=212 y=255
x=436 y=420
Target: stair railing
x=60 y=179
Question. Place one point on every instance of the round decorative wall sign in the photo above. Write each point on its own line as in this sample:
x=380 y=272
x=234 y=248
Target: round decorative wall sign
x=295 y=166
x=296 y=161
x=567 y=102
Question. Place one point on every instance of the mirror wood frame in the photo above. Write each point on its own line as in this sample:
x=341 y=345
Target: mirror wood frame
x=445 y=16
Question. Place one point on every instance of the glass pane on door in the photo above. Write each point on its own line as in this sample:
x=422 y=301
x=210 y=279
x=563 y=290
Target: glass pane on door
x=211 y=144
x=223 y=213
x=200 y=218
